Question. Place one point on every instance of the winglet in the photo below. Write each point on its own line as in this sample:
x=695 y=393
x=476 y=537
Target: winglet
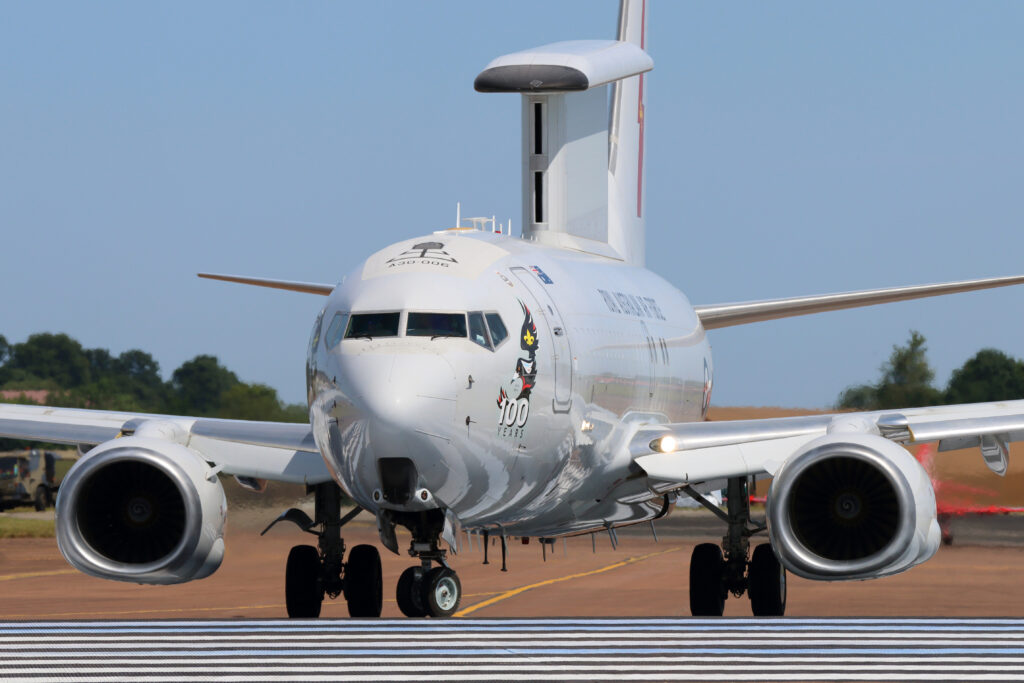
x=306 y=287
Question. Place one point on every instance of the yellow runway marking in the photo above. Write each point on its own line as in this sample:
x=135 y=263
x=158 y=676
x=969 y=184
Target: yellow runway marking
x=167 y=610
x=32 y=575
x=140 y=611
x=548 y=582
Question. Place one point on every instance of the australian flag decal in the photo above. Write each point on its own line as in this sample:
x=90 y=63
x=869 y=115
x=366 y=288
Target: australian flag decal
x=542 y=275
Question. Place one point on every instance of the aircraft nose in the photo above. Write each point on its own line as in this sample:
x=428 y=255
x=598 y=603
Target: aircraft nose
x=404 y=391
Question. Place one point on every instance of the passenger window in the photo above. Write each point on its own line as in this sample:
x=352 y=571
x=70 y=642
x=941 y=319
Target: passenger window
x=498 y=331
x=370 y=325
x=436 y=325
x=478 y=330
x=334 y=330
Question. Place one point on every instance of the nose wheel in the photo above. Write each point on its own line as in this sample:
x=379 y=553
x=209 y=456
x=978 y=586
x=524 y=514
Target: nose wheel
x=424 y=592
x=432 y=588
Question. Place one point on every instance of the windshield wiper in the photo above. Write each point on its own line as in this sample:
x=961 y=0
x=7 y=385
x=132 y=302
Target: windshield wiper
x=361 y=335
x=438 y=336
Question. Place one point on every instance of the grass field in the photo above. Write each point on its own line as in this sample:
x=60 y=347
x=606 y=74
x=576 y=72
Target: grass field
x=13 y=527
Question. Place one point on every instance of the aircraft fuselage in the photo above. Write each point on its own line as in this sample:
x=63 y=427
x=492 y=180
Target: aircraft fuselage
x=528 y=436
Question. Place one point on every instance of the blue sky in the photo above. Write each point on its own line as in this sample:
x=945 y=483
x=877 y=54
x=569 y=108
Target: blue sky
x=793 y=148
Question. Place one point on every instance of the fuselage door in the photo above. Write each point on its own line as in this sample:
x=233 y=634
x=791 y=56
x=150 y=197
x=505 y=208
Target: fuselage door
x=557 y=333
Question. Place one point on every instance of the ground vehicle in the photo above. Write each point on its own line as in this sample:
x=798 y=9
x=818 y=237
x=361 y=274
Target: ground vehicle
x=28 y=478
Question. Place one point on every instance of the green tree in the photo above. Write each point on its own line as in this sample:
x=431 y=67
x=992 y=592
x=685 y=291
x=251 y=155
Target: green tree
x=906 y=381
x=249 y=402
x=44 y=356
x=139 y=373
x=258 y=402
x=199 y=383
x=990 y=375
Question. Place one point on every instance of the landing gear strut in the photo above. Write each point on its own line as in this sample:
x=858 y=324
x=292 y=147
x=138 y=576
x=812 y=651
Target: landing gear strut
x=424 y=590
x=313 y=572
x=715 y=572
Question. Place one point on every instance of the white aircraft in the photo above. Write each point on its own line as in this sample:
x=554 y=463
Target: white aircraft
x=467 y=380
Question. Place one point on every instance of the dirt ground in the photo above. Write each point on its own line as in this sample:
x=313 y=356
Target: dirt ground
x=973 y=577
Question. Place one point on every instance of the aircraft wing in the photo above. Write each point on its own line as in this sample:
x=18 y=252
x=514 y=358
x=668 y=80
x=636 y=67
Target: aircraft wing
x=690 y=453
x=742 y=313
x=260 y=450
x=287 y=285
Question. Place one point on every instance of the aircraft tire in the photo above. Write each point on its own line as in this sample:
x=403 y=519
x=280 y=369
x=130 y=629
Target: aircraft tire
x=303 y=588
x=767 y=583
x=41 y=498
x=409 y=592
x=442 y=592
x=707 y=596
x=363 y=582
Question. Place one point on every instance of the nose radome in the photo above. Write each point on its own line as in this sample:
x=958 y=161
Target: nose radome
x=405 y=391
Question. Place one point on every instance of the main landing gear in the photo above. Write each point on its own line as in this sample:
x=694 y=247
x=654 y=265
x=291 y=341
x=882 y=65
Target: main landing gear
x=313 y=572
x=426 y=591
x=714 y=573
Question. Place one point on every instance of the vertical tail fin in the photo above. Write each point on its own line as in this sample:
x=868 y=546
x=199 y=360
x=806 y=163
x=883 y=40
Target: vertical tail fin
x=626 y=145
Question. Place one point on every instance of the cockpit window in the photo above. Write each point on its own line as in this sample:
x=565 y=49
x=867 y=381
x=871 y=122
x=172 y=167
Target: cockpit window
x=314 y=337
x=370 y=325
x=436 y=325
x=335 y=330
x=478 y=330
x=498 y=331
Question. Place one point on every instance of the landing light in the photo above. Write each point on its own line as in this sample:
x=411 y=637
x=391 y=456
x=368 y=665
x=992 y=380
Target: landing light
x=665 y=444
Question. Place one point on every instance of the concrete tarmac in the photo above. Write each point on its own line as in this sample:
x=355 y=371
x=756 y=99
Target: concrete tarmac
x=976 y=576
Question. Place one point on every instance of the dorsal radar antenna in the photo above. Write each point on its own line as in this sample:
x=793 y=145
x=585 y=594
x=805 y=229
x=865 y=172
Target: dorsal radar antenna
x=582 y=108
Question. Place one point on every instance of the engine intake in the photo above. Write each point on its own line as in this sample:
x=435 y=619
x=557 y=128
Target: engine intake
x=142 y=510
x=850 y=506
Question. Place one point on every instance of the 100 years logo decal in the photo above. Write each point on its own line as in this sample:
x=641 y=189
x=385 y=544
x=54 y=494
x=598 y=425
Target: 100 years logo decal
x=514 y=397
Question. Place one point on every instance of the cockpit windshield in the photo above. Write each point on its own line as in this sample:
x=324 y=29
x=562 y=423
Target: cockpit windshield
x=483 y=328
x=436 y=325
x=372 y=325
x=478 y=330
x=498 y=331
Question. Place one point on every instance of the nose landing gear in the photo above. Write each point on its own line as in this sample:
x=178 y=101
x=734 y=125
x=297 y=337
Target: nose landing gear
x=427 y=591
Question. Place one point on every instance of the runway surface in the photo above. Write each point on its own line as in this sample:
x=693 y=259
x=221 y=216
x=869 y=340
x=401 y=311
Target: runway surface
x=521 y=649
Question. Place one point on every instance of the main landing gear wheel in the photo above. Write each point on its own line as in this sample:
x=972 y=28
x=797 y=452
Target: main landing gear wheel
x=442 y=592
x=409 y=592
x=767 y=583
x=364 y=587
x=707 y=594
x=303 y=587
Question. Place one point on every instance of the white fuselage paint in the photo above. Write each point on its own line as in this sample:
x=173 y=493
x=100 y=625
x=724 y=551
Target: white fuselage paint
x=612 y=346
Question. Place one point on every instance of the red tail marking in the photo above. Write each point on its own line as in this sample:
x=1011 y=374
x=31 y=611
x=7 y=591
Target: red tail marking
x=640 y=121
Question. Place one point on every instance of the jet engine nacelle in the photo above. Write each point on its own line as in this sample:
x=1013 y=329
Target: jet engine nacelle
x=144 y=510
x=852 y=506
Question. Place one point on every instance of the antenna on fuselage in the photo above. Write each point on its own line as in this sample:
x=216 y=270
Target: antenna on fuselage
x=479 y=223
